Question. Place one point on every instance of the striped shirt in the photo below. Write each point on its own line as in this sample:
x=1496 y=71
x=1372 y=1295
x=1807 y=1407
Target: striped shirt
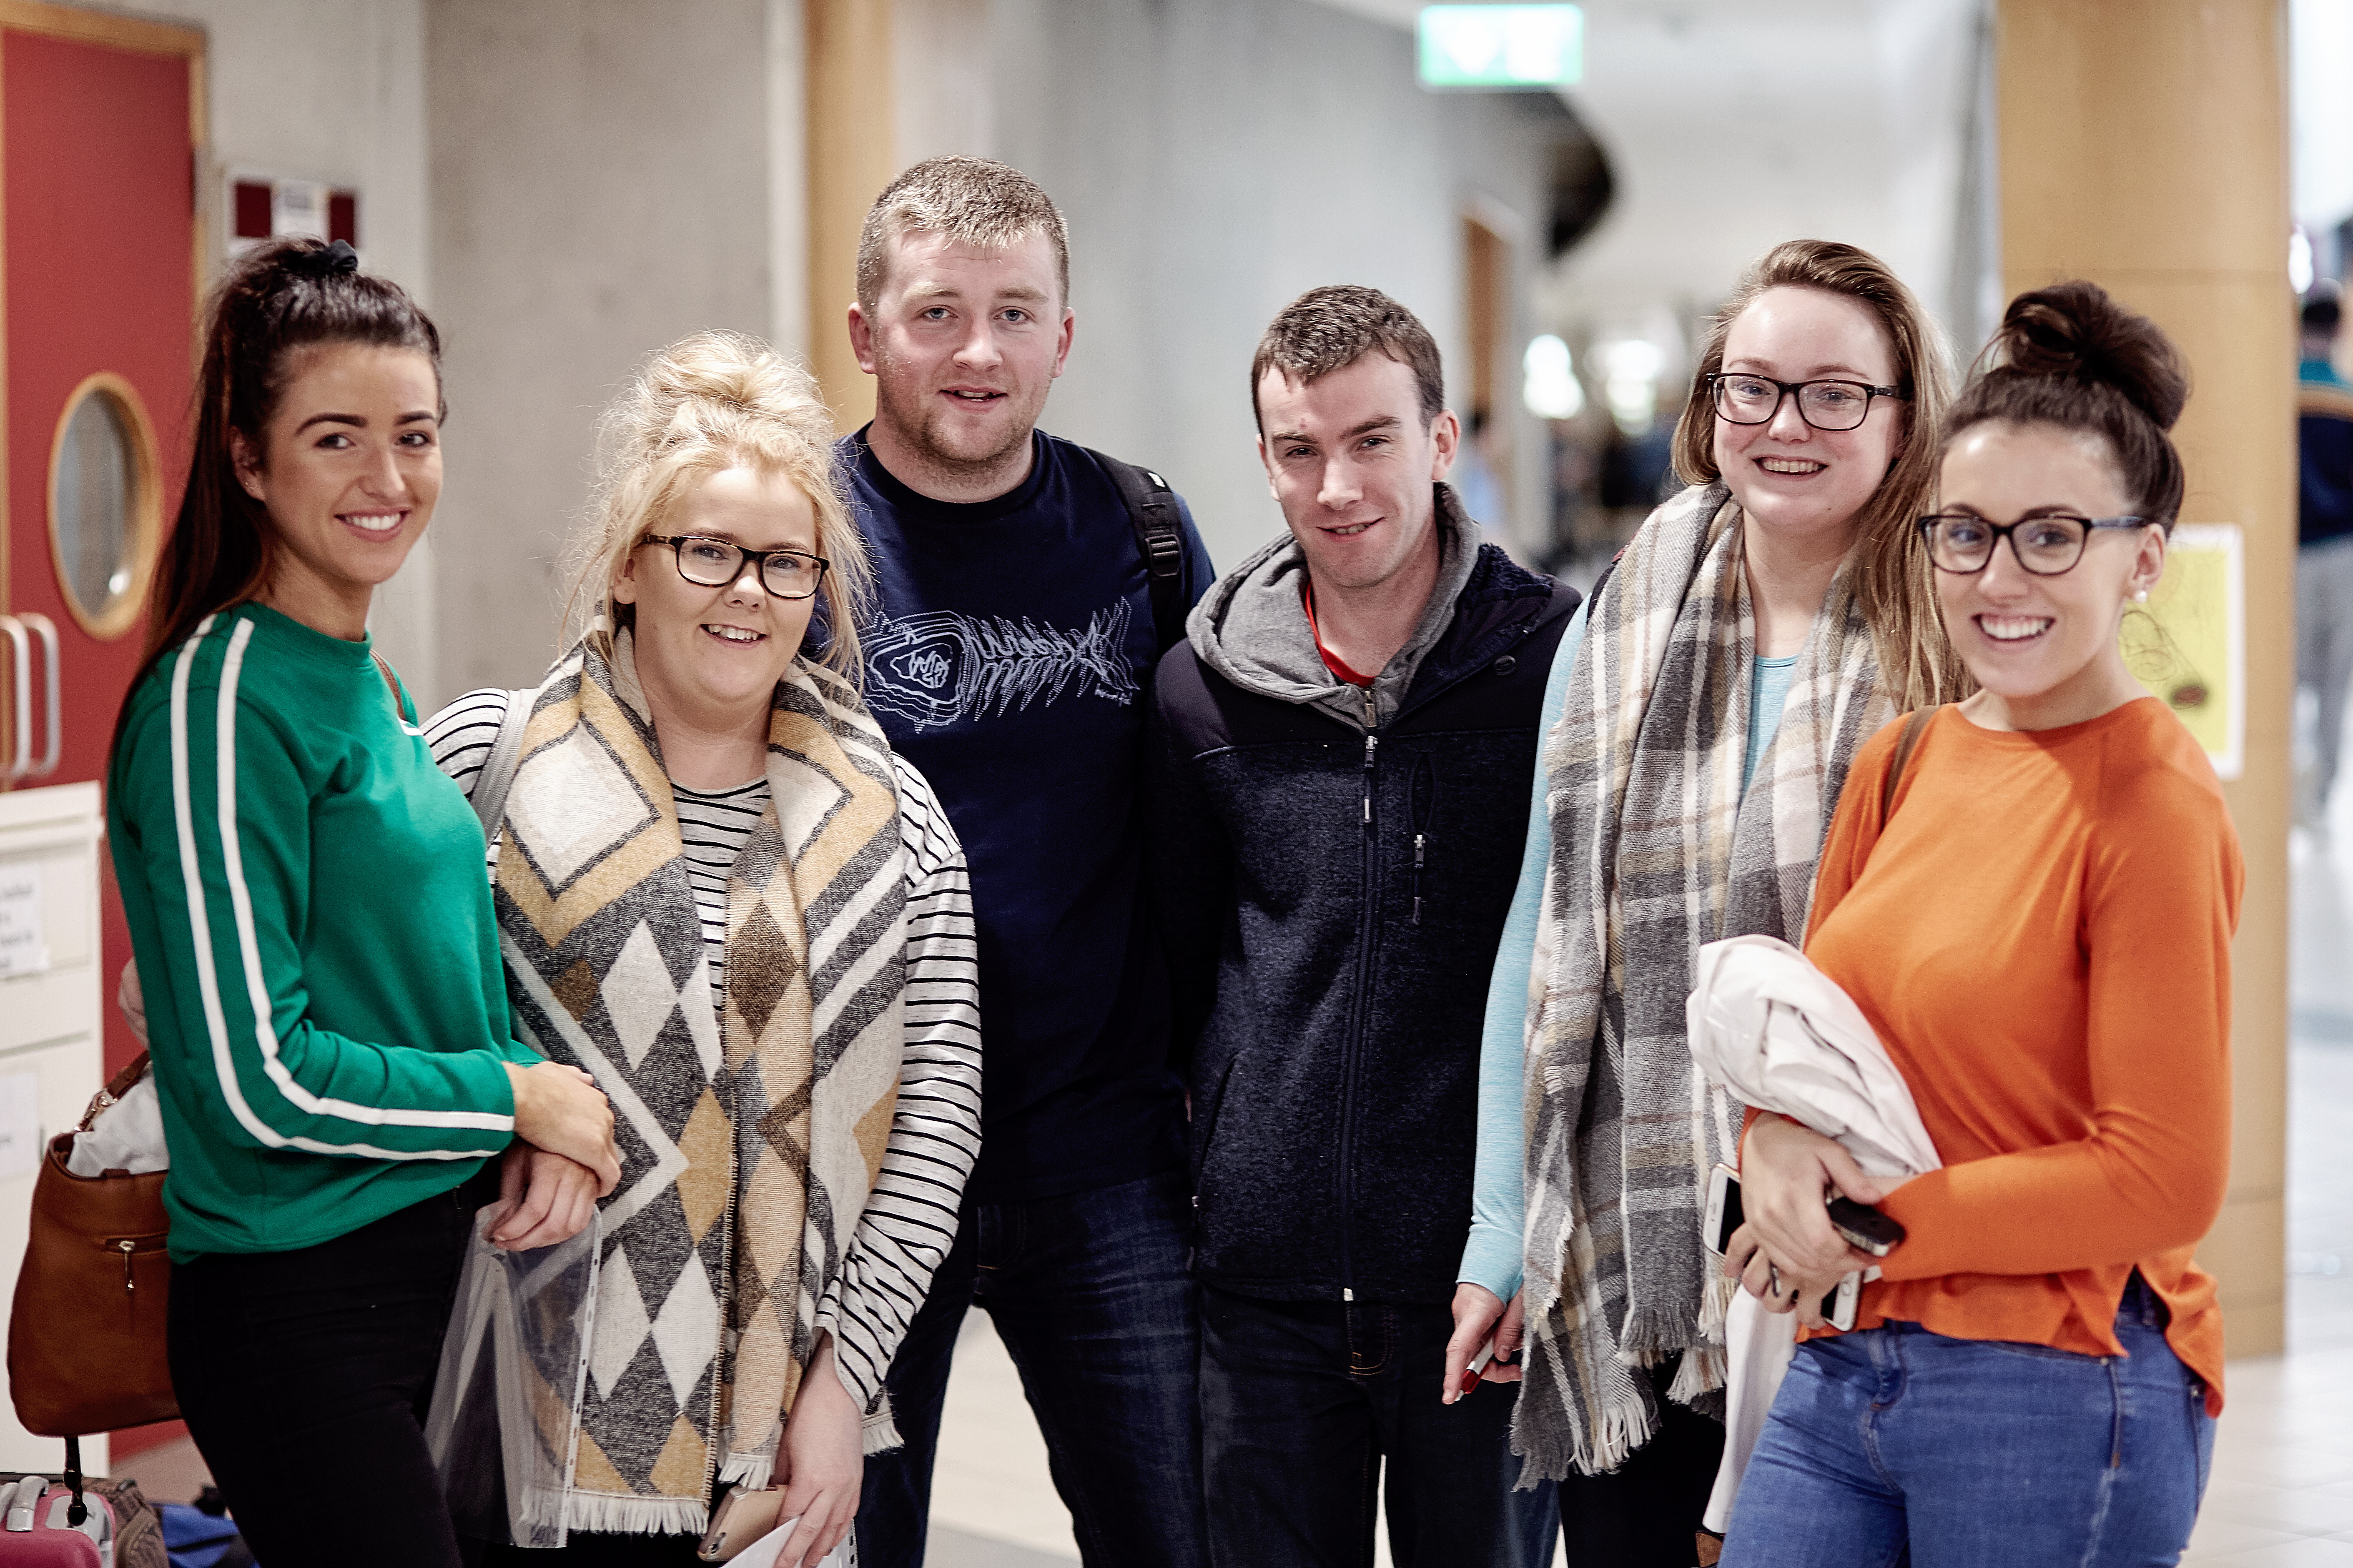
x=910 y=1217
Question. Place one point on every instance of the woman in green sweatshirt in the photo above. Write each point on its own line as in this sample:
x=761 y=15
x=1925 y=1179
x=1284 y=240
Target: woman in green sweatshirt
x=324 y=998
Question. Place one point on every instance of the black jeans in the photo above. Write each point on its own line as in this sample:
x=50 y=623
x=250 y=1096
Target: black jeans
x=1301 y=1402
x=304 y=1376
x=1090 y=1293
x=1646 y=1513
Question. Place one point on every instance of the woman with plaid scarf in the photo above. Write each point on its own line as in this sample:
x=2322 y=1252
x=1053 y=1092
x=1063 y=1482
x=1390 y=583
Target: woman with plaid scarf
x=1704 y=708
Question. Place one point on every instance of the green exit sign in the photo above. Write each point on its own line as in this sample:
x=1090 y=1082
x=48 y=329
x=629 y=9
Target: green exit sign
x=1501 y=46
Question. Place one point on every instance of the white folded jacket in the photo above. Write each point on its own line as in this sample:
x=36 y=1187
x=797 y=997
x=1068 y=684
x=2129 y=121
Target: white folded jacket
x=1780 y=1034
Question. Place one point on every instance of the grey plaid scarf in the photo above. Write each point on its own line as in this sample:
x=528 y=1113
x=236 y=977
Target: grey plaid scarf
x=1655 y=851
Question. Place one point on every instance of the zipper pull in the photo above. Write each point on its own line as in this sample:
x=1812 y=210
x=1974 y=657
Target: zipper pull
x=1419 y=840
x=127 y=1245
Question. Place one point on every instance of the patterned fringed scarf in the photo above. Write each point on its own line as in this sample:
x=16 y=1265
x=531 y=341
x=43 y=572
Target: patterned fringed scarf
x=1655 y=851
x=749 y=1138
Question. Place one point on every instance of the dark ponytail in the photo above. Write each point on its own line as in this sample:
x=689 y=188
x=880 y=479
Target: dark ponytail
x=2069 y=356
x=281 y=296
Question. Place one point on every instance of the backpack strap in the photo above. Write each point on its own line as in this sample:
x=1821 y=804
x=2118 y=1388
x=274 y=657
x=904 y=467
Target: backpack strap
x=490 y=786
x=1159 y=539
x=1915 y=723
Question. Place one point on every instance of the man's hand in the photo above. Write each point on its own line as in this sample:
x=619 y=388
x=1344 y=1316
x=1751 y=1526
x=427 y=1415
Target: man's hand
x=544 y=1199
x=1477 y=1316
x=820 y=1463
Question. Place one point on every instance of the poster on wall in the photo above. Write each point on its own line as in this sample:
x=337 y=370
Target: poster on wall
x=2188 y=644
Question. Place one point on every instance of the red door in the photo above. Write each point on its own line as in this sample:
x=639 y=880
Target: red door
x=98 y=127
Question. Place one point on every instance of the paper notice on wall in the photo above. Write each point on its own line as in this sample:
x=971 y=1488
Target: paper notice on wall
x=20 y=1123
x=23 y=948
x=2188 y=644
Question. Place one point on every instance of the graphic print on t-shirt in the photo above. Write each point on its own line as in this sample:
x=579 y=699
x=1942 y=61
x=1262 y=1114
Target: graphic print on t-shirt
x=941 y=666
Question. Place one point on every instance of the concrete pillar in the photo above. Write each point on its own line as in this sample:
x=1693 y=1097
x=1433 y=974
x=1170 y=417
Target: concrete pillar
x=2144 y=146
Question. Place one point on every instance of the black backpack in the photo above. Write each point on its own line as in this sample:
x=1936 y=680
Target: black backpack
x=1159 y=539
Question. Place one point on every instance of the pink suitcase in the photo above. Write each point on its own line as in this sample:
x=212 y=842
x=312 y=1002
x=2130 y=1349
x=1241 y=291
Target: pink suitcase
x=34 y=1532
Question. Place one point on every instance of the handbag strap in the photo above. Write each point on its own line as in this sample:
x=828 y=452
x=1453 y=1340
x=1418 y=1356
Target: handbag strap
x=1914 y=724
x=498 y=775
x=391 y=684
x=116 y=1087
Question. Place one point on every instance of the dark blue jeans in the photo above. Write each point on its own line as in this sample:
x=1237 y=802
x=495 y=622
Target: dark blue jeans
x=1090 y=1294
x=1895 y=1445
x=1301 y=1401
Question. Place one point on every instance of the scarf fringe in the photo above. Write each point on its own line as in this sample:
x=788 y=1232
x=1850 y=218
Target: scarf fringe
x=1715 y=1306
x=878 y=1431
x=1626 y=1424
x=630 y=1513
x=1699 y=1373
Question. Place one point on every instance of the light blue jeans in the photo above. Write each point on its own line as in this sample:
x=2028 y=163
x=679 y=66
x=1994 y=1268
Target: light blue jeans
x=1896 y=1445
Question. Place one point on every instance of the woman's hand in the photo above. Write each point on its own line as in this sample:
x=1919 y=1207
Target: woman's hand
x=562 y=1110
x=544 y=1199
x=1476 y=1313
x=821 y=1462
x=1778 y=1288
x=1788 y=1254
x=132 y=1001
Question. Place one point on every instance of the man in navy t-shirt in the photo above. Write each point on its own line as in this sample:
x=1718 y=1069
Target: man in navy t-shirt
x=1013 y=642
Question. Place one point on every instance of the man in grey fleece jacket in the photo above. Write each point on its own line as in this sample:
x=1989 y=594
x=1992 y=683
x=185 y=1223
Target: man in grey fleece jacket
x=1337 y=796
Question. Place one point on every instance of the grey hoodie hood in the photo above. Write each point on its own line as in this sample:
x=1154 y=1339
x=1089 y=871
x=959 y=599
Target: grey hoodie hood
x=1251 y=627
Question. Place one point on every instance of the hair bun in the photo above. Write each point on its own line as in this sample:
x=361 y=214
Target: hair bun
x=2077 y=331
x=724 y=375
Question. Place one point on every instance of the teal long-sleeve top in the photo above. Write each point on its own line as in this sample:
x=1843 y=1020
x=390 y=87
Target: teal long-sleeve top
x=1492 y=1256
x=326 y=1009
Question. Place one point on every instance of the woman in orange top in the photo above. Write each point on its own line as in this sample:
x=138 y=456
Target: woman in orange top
x=2039 y=931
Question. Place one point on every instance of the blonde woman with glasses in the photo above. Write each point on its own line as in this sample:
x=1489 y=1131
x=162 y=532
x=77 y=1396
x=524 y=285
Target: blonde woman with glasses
x=721 y=893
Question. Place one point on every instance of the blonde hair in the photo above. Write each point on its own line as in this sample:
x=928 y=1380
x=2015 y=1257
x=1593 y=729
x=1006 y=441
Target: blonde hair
x=1894 y=579
x=706 y=404
x=977 y=202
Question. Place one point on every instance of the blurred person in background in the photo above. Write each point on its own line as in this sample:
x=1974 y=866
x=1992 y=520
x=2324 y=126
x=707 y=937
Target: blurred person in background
x=1340 y=776
x=1702 y=710
x=2039 y=929
x=323 y=1003
x=1017 y=625
x=2324 y=559
x=769 y=968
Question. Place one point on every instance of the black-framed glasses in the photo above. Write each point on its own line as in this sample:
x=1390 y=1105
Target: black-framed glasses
x=714 y=563
x=1962 y=542
x=1745 y=399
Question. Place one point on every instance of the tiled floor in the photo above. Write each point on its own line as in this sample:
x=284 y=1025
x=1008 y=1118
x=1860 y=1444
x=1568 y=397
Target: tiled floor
x=2282 y=1494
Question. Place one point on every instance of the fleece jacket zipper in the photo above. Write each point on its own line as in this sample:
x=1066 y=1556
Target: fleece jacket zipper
x=1367 y=900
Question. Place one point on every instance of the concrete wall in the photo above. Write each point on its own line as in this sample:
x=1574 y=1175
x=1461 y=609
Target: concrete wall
x=601 y=185
x=1215 y=159
x=331 y=90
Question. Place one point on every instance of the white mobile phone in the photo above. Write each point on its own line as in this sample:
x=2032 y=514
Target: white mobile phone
x=1722 y=1209
x=1839 y=1308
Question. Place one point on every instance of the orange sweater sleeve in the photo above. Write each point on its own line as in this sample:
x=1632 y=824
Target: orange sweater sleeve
x=2160 y=904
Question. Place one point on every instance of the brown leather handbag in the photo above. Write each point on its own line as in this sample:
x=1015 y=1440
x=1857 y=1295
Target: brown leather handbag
x=86 y=1333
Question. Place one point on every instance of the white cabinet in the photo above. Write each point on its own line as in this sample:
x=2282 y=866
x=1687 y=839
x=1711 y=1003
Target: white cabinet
x=50 y=1018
